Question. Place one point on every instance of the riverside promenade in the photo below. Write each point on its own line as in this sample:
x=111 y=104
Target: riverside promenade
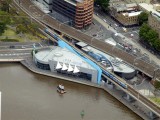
x=135 y=106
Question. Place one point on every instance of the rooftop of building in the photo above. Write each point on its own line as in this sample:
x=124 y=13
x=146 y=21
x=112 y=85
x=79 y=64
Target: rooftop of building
x=150 y=8
x=131 y=5
x=42 y=7
x=62 y=55
x=124 y=7
x=118 y=64
x=82 y=44
x=74 y=2
x=135 y=13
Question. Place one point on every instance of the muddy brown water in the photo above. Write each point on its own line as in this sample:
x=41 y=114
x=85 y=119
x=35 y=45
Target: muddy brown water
x=29 y=96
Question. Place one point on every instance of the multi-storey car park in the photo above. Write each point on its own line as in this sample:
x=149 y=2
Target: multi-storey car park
x=79 y=12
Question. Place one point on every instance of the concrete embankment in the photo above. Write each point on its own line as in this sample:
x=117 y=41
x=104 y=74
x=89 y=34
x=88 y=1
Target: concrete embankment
x=118 y=94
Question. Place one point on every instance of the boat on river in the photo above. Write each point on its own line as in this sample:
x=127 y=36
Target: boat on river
x=60 y=89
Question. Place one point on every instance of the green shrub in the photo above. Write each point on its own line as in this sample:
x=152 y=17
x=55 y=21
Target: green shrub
x=9 y=40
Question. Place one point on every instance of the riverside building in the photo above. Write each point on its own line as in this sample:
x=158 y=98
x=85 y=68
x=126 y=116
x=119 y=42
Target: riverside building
x=63 y=61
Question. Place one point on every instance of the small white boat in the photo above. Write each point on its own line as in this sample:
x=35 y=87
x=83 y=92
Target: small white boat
x=60 y=89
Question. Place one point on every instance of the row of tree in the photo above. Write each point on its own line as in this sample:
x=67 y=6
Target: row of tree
x=4 y=5
x=9 y=16
x=157 y=85
x=150 y=36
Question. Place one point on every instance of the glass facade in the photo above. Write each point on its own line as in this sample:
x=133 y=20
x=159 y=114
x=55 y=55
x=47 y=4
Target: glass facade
x=43 y=66
x=64 y=8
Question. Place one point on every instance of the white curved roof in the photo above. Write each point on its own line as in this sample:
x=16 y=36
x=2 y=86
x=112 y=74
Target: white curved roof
x=61 y=55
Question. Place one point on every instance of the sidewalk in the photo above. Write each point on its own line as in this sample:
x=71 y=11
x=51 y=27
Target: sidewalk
x=135 y=44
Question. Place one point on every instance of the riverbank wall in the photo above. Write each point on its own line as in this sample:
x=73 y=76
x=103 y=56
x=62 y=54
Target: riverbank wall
x=136 y=107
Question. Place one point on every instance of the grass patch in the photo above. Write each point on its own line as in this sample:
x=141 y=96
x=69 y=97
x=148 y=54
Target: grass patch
x=10 y=36
x=156 y=100
x=9 y=32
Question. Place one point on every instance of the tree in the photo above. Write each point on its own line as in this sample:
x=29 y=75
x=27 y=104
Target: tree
x=156 y=44
x=21 y=28
x=143 y=18
x=5 y=17
x=5 y=5
x=143 y=31
x=157 y=85
x=104 y=4
x=25 y=21
x=2 y=27
x=151 y=36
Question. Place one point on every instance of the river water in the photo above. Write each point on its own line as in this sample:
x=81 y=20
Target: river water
x=29 y=96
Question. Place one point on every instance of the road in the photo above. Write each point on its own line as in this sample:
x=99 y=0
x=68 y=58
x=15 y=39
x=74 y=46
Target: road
x=129 y=40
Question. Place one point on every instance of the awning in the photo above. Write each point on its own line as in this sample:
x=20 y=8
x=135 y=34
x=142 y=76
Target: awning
x=59 y=66
x=76 y=70
x=70 y=68
x=64 y=67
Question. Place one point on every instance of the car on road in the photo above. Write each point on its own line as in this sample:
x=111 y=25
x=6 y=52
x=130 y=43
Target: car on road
x=23 y=47
x=116 y=25
x=12 y=46
x=104 y=20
